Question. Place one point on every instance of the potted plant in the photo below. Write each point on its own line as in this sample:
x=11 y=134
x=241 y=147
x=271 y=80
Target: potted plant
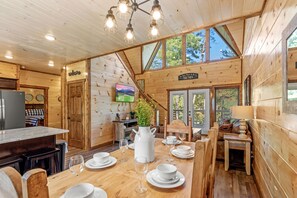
x=144 y=138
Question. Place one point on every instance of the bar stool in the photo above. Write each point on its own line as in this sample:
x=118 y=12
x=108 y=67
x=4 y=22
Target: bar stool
x=42 y=155
x=15 y=162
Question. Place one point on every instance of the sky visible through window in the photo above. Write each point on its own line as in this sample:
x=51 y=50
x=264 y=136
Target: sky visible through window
x=218 y=47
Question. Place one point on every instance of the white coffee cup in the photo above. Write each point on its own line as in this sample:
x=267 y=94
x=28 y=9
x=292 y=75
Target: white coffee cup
x=167 y=171
x=183 y=149
x=171 y=139
x=82 y=190
x=101 y=157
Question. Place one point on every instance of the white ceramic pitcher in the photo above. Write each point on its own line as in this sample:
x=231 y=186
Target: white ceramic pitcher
x=144 y=143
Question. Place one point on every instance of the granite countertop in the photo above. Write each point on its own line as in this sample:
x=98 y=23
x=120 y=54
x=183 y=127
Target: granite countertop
x=14 y=135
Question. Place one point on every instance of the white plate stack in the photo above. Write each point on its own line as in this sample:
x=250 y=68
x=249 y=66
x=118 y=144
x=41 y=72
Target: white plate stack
x=183 y=152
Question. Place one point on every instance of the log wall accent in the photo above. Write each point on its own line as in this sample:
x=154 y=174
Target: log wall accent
x=8 y=70
x=158 y=82
x=274 y=132
x=54 y=84
x=105 y=72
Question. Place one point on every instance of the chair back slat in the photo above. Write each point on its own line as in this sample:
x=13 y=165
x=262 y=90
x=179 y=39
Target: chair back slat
x=35 y=183
x=201 y=168
x=178 y=127
x=15 y=179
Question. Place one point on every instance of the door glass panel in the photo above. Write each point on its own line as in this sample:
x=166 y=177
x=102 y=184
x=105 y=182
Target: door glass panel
x=178 y=106
x=198 y=109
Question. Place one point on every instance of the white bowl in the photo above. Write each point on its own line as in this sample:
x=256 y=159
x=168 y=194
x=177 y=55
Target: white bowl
x=183 y=149
x=171 y=139
x=101 y=157
x=82 y=190
x=167 y=171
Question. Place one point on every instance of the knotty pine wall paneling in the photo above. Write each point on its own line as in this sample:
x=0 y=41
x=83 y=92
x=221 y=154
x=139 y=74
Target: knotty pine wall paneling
x=274 y=132
x=157 y=83
x=105 y=72
x=53 y=82
x=8 y=70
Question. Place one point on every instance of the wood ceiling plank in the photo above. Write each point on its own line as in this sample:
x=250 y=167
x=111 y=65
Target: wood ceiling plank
x=78 y=27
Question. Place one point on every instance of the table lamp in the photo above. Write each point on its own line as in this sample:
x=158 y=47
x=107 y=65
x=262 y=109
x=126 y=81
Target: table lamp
x=242 y=113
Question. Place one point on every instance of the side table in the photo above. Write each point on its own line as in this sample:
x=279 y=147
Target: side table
x=234 y=142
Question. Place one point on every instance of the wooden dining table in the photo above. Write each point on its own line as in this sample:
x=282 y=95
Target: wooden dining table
x=121 y=180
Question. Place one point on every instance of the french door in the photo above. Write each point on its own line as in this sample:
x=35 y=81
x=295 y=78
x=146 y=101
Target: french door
x=194 y=103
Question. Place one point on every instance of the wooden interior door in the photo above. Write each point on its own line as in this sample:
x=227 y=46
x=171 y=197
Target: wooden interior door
x=75 y=114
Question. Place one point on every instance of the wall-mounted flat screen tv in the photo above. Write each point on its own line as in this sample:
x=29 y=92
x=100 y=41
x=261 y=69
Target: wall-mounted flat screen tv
x=124 y=93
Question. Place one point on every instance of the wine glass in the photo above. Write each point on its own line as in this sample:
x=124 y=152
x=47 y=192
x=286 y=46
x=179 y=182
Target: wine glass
x=76 y=164
x=123 y=147
x=170 y=143
x=141 y=168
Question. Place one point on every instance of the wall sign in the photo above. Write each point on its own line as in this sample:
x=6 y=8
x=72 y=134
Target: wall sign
x=74 y=73
x=188 y=76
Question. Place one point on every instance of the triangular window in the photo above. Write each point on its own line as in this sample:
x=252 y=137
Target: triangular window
x=219 y=48
x=152 y=56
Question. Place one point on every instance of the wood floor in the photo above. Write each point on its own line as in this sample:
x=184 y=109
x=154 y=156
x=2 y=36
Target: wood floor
x=234 y=183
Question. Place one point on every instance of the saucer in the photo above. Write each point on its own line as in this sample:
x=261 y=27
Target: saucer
x=94 y=163
x=183 y=156
x=150 y=179
x=90 y=163
x=156 y=177
x=177 y=142
x=131 y=146
x=98 y=193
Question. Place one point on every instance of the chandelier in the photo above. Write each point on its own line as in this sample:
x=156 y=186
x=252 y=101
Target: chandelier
x=126 y=7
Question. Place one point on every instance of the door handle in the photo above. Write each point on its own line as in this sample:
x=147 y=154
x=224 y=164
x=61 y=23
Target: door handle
x=3 y=113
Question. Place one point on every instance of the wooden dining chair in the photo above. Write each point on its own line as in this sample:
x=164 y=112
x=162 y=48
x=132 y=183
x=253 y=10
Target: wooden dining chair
x=178 y=127
x=213 y=136
x=33 y=184
x=201 y=168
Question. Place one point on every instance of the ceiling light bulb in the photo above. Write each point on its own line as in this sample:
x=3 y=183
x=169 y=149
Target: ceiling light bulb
x=129 y=34
x=109 y=22
x=123 y=6
x=156 y=15
x=8 y=55
x=50 y=37
x=51 y=63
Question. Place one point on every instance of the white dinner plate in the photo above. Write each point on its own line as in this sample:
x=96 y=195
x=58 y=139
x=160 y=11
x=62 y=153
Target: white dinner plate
x=91 y=164
x=98 y=193
x=177 y=142
x=182 y=156
x=149 y=179
x=131 y=146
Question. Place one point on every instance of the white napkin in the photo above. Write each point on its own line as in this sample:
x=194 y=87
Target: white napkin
x=7 y=189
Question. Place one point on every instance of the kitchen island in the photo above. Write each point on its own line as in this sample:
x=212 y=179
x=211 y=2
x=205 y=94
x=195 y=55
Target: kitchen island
x=15 y=142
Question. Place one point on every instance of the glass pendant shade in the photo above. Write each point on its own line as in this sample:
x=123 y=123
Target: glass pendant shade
x=110 y=22
x=123 y=6
x=129 y=36
x=156 y=12
x=153 y=31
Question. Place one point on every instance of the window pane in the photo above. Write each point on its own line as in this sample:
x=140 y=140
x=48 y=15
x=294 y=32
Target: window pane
x=218 y=47
x=292 y=41
x=198 y=101
x=178 y=102
x=152 y=56
x=174 y=51
x=225 y=99
x=195 y=52
x=198 y=118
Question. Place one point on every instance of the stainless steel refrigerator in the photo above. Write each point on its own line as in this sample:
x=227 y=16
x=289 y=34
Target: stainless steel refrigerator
x=12 y=109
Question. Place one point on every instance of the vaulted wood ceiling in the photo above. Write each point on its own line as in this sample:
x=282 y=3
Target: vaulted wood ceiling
x=78 y=26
